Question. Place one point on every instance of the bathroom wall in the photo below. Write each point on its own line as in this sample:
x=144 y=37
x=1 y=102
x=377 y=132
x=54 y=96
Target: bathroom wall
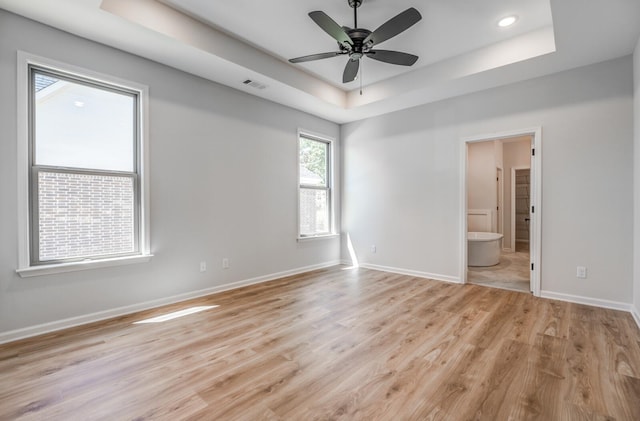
x=483 y=158
x=498 y=153
x=517 y=153
x=481 y=177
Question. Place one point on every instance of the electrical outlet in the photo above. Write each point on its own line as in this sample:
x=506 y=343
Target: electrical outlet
x=373 y=249
x=225 y=263
x=581 y=272
x=203 y=266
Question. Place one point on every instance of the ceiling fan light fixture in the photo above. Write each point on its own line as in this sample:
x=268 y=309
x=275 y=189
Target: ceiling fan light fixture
x=507 y=21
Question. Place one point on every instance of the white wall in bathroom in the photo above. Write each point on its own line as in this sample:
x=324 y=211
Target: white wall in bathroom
x=482 y=160
x=402 y=187
x=499 y=153
x=516 y=155
x=481 y=178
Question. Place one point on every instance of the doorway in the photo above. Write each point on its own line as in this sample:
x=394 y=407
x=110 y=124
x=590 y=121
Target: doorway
x=515 y=195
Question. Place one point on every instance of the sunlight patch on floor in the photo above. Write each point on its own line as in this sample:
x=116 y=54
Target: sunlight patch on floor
x=175 y=315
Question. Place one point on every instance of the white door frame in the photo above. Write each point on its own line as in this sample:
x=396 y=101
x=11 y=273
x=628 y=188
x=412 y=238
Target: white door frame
x=512 y=215
x=500 y=199
x=536 y=199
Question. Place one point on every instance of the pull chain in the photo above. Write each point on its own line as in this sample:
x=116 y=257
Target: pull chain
x=361 y=68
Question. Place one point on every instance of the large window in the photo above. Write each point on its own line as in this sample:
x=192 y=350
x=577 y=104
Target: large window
x=315 y=187
x=84 y=155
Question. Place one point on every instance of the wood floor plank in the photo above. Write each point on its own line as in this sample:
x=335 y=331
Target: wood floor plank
x=336 y=344
x=538 y=397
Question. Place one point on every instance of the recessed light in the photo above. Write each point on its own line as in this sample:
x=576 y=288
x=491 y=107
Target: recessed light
x=507 y=21
x=78 y=104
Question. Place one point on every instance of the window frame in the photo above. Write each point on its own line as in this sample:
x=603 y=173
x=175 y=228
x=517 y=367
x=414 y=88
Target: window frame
x=29 y=264
x=330 y=142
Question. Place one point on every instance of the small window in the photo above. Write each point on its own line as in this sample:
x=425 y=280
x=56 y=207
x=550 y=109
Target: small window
x=315 y=195
x=84 y=157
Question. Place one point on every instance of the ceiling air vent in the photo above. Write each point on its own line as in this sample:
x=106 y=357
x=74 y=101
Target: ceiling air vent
x=254 y=84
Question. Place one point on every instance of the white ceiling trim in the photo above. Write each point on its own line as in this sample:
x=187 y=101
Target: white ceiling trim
x=164 y=20
x=429 y=78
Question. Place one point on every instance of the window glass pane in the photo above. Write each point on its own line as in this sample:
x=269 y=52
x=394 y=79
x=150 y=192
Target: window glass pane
x=82 y=126
x=84 y=215
x=314 y=211
x=313 y=162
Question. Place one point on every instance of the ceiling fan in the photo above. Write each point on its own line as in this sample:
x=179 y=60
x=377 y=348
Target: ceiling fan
x=358 y=42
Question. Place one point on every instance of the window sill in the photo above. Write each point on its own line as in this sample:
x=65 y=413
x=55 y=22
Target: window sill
x=83 y=265
x=318 y=237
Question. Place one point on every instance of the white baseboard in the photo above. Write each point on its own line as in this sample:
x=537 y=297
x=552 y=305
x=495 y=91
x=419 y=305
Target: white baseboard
x=636 y=315
x=28 y=332
x=596 y=302
x=409 y=272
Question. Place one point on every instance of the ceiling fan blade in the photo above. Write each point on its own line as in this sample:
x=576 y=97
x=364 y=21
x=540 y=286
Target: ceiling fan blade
x=393 y=57
x=331 y=27
x=350 y=71
x=394 y=26
x=313 y=57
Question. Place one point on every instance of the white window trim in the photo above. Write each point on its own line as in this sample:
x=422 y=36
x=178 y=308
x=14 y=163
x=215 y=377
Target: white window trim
x=317 y=237
x=24 y=265
x=332 y=206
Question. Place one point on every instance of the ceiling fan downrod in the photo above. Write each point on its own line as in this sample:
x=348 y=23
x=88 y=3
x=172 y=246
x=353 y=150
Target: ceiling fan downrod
x=355 y=4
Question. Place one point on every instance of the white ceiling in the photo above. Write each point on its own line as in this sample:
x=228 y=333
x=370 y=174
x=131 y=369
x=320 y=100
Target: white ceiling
x=460 y=47
x=448 y=28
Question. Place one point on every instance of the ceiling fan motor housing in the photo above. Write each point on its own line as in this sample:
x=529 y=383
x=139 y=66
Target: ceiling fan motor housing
x=358 y=36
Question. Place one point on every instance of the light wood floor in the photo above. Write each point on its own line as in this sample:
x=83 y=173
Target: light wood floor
x=336 y=344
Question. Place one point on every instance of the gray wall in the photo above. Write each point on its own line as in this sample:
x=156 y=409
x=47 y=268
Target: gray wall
x=401 y=178
x=223 y=184
x=636 y=167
